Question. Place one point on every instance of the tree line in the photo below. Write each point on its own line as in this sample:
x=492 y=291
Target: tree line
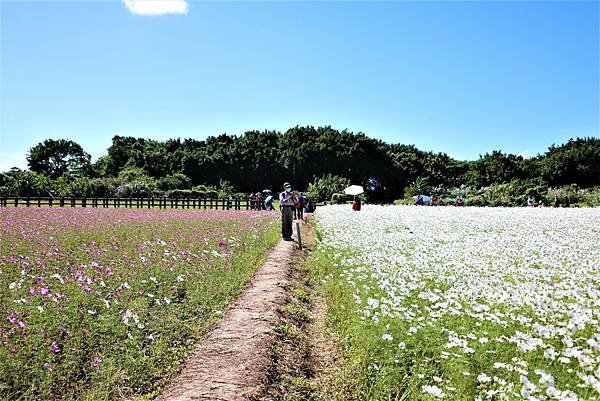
x=317 y=159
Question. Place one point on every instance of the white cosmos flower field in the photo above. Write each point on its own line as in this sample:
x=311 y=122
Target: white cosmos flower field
x=471 y=303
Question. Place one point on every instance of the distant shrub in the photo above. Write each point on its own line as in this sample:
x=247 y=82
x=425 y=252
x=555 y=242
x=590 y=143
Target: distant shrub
x=339 y=198
x=175 y=181
x=325 y=187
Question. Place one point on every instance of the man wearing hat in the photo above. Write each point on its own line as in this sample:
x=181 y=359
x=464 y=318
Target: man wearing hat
x=287 y=201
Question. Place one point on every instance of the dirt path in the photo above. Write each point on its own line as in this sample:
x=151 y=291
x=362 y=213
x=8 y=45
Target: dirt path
x=305 y=359
x=230 y=363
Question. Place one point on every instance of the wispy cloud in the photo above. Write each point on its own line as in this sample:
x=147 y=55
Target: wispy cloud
x=156 y=7
x=524 y=154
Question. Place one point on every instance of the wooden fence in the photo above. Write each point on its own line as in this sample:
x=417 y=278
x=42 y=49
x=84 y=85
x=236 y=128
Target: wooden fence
x=150 y=203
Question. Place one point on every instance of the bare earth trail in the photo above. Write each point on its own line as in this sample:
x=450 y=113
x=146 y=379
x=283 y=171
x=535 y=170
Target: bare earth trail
x=231 y=361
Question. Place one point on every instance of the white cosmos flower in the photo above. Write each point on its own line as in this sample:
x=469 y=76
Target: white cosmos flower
x=433 y=390
x=526 y=278
x=483 y=378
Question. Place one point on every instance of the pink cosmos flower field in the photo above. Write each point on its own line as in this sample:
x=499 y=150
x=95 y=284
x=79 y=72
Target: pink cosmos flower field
x=104 y=303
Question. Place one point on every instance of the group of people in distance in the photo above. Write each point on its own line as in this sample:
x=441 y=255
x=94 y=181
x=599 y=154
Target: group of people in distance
x=293 y=205
x=264 y=201
x=433 y=201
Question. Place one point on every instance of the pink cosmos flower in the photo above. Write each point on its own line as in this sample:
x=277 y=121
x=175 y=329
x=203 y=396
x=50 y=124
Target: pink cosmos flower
x=96 y=362
x=54 y=347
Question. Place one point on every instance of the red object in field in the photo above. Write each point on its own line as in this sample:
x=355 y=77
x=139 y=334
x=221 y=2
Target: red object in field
x=355 y=206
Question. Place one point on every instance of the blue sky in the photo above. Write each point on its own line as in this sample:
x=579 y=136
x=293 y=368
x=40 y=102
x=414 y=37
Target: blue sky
x=460 y=77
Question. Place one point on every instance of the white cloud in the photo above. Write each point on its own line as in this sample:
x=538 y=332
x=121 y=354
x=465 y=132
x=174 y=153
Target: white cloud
x=524 y=154
x=157 y=7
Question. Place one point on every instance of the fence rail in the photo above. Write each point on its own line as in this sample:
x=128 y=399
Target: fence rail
x=150 y=203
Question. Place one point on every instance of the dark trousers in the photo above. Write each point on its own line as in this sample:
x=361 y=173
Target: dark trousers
x=286 y=221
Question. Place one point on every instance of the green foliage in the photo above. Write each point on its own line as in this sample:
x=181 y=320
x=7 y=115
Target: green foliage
x=26 y=183
x=224 y=189
x=339 y=198
x=419 y=187
x=324 y=188
x=309 y=157
x=495 y=168
x=577 y=161
x=174 y=181
x=54 y=158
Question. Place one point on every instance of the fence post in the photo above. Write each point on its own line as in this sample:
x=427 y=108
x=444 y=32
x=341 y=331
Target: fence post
x=39 y=201
x=84 y=202
x=62 y=201
x=27 y=201
x=298 y=235
x=72 y=201
x=50 y=201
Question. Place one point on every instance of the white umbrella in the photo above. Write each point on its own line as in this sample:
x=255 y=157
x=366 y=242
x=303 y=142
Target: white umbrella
x=354 y=190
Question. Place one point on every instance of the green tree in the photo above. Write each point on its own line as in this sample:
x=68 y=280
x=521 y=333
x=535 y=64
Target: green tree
x=576 y=162
x=53 y=158
x=495 y=168
x=323 y=188
x=26 y=183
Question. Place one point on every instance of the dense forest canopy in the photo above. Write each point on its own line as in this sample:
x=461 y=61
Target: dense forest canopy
x=303 y=155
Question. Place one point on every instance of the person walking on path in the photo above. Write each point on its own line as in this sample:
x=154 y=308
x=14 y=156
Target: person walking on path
x=299 y=206
x=287 y=201
x=269 y=202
